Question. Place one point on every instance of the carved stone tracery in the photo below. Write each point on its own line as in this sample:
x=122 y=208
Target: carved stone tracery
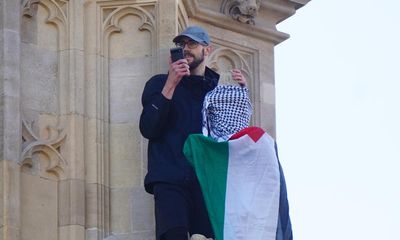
x=33 y=144
x=224 y=56
x=57 y=10
x=111 y=21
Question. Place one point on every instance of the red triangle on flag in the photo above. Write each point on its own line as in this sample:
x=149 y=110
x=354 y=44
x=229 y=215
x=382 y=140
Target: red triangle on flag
x=254 y=132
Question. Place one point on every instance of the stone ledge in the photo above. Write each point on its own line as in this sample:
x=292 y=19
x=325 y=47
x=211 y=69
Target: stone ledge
x=218 y=19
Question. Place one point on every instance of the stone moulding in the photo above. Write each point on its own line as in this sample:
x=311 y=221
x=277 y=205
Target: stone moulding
x=299 y=3
x=221 y=20
x=280 y=9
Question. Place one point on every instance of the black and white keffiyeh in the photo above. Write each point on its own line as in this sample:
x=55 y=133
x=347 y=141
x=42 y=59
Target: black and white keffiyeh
x=226 y=110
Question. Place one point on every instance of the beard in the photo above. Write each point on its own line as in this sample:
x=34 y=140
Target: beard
x=196 y=60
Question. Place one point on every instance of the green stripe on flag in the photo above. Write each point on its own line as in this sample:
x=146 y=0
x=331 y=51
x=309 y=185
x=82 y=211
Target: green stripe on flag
x=210 y=161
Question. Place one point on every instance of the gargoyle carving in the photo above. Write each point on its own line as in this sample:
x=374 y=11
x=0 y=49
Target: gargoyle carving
x=244 y=11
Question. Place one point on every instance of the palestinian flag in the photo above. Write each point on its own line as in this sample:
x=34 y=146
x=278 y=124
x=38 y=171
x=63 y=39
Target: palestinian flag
x=243 y=185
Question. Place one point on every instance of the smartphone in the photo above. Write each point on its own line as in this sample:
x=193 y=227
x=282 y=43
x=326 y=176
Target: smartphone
x=176 y=54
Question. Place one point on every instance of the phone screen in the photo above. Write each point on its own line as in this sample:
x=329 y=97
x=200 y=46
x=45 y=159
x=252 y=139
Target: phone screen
x=176 y=54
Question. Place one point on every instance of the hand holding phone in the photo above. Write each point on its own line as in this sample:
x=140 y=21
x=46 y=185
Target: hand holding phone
x=176 y=72
x=176 y=54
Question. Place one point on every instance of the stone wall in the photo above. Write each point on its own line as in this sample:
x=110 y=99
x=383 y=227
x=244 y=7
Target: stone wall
x=72 y=71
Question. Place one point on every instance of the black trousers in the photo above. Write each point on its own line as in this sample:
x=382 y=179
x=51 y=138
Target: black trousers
x=179 y=210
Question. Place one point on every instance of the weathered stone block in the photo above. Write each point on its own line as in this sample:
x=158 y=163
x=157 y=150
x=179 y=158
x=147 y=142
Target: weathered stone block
x=39 y=74
x=11 y=233
x=97 y=208
x=73 y=148
x=127 y=80
x=75 y=96
x=121 y=210
x=92 y=200
x=11 y=62
x=11 y=194
x=71 y=232
x=11 y=128
x=72 y=202
x=11 y=11
x=92 y=87
x=125 y=162
x=39 y=207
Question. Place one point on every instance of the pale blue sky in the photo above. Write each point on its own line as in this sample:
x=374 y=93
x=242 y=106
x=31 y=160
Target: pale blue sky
x=338 y=119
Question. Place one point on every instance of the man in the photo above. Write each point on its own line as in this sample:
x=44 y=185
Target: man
x=172 y=106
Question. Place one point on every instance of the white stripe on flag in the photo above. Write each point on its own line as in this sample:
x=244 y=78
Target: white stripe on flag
x=253 y=188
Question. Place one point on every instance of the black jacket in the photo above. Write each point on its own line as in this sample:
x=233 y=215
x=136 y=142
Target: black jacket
x=167 y=124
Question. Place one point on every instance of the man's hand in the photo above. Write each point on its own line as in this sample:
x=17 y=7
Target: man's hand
x=177 y=70
x=238 y=77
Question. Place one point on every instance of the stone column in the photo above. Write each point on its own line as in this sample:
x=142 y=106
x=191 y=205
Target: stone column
x=10 y=120
x=97 y=192
x=72 y=188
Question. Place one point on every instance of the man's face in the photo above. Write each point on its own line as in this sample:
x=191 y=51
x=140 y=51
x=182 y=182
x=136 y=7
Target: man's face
x=194 y=58
x=194 y=52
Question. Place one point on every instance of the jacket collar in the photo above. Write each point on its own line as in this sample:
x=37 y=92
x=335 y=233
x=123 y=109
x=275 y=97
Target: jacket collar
x=211 y=79
x=208 y=82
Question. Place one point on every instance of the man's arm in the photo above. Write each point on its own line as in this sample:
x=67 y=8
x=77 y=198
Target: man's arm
x=155 y=108
x=156 y=98
x=177 y=70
